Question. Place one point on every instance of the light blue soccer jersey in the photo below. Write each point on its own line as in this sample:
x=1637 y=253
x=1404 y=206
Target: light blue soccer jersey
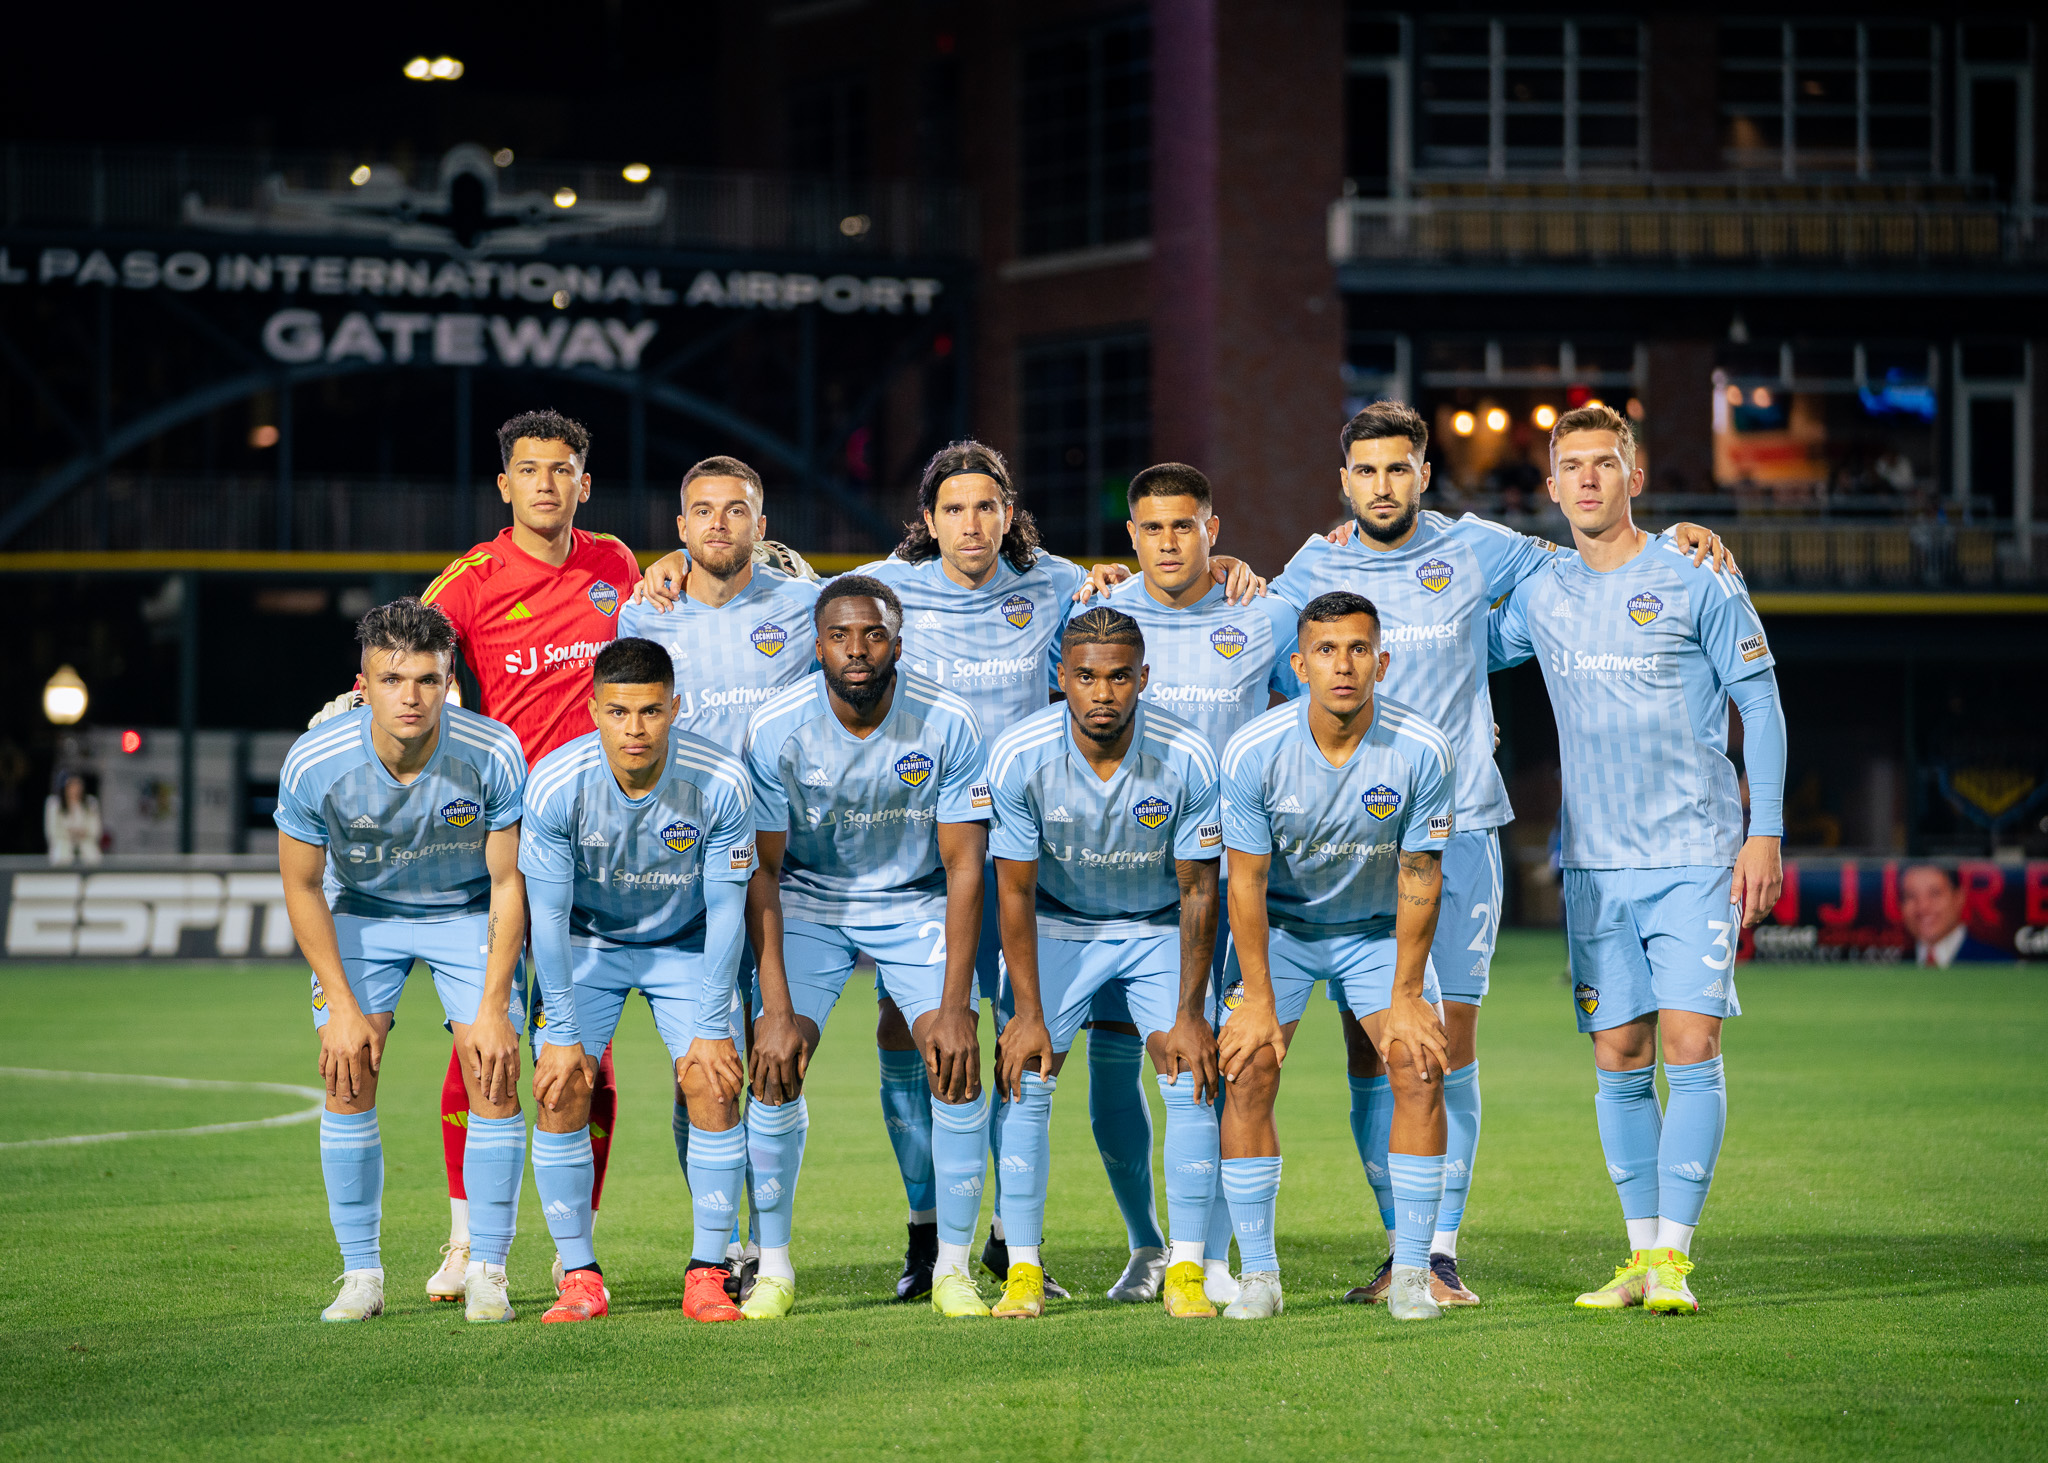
x=1212 y=663
x=412 y=850
x=1105 y=850
x=1638 y=662
x=1433 y=594
x=862 y=813
x=994 y=647
x=1335 y=833
x=730 y=660
x=638 y=864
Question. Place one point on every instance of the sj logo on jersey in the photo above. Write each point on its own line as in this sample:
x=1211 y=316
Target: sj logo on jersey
x=682 y=837
x=605 y=598
x=1435 y=575
x=1645 y=607
x=1382 y=801
x=460 y=813
x=1229 y=641
x=1018 y=610
x=914 y=767
x=1152 y=811
x=769 y=637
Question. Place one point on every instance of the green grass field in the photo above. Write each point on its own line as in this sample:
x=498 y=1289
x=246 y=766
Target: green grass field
x=1872 y=1263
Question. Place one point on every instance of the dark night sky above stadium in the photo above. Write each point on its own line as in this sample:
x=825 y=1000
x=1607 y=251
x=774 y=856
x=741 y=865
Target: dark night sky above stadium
x=611 y=79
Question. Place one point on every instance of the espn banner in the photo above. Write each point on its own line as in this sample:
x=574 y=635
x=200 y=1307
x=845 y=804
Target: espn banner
x=1903 y=911
x=222 y=909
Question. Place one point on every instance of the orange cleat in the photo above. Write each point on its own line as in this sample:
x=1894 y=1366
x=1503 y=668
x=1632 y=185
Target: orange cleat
x=704 y=1297
x=581 y=1298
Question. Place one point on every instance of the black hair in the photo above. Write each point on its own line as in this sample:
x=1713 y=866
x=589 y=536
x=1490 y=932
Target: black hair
x=860 y=586
x=546 y=425
x=632 y=661
x=724 y=467
x=955 y=459
x=406 y=627
x=1384 y=419
x=1103 y=626
x=1171 y=480
x=1338 y=604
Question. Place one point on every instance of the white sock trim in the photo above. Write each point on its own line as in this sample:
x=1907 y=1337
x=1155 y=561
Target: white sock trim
x=952 y=1259
x=1184 y=1251
x=458 y=1221
x=1024 y=1255
x=1673 y=1235
x=924 y=1216
x=775 y=1262
x=1642 y=1234
x=1444 y=1242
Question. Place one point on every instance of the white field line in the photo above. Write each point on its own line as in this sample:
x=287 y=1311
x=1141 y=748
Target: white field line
x=285 y=1120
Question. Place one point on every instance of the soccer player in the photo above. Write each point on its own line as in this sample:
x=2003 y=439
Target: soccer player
x=1322 y=799
x=398 y=841
x=871 y=811
x=637 y=848
x=1433 y=579
x=1106 y=836
x=1642 y=651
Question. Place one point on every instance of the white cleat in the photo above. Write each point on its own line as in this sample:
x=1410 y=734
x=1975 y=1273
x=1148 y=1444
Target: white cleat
x=1218 y=1283
x=561 y=1276
x=488 y=1302
x=446 y=1283
x=1140 y=1280
x=362 y=1296
x=1408 y=1297
x=1258 y=1297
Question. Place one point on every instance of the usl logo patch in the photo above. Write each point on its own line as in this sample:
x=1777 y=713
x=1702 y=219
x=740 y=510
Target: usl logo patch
x=1017 y=609
x=769 y=637
x=1440 y=826
x=605 y=598
x=1435 y=575
x=1753 y=648
x=1587 y=997
x=1152 y=811
x=1229 y=641
x=1382 y=801
x=460 y=813
x=682 y=837
x=1645 y=607
x=914 y=767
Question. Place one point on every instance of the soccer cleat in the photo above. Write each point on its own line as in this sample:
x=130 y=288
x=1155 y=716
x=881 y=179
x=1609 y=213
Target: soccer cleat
x=1626 y=1289
x=771 y=1298
x=915 y=1283
x=1183 y=1294
x=1445 y=1288
x=953 y=1294
x=362 y=1296
x=582 y=1297
x=1023 y=1297
x=1374 y=1290
x=446 y=1283
x=558 y=1274
x=704 y=1297
x=995 y=1258
x=1668 y=1294
x=484 y=1294
x=1258 y=1297
x=1408 y=1297
x=1140 y=1280
x=742 y=1264
x=1218 y=1283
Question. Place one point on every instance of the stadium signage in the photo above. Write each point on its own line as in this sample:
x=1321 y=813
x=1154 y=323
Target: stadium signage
x=1848 y=911
x=118 y=915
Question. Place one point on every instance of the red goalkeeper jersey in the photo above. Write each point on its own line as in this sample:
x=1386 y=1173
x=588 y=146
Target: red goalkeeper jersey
x=530 y=631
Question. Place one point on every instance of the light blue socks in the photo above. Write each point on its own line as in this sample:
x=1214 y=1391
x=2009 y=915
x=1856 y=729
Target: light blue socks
x=1122 y=1121
x=563 y=1173
x=1021 y=1171
x=1461 y=1125
x=959 y=1159
x=1372 y=1120
x=907 y=1113
x=352 y=1163
x=717 y=1171
x=775 y=1143
x=1216 y=1244
x=1630 y=1130
x=1418 y=1184
x=1694 y=1123
x=1252 y=1185
x=493 y=1161
x=1191 y=1162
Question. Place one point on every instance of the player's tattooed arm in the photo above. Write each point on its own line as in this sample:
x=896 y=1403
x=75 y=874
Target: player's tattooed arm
x=952 y=1050
x=1190 y=1046
x=351 y=1044
x=493 y=1044
x=779 y=1052
x=1255 y=1024
x=1025 y=1045
x=1411 y=1020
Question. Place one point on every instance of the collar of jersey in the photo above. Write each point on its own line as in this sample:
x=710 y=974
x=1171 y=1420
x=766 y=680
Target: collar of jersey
x=505 y=542
x=1316 y=748
x=888 y=718
x=440 y=746
x=1420 y=541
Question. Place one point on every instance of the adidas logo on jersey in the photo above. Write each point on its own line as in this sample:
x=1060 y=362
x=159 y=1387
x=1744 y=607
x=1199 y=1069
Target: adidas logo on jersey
x=1562 y=609
x=365 y=821
x=927 y=621
x=1716 y=992
x=1697 y=1172
x=1289 y=804
x=593 y=840
x=1059 y=815
x=817 y=777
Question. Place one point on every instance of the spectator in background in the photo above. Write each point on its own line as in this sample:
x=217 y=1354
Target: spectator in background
x=71 y=823
x=1931 y=909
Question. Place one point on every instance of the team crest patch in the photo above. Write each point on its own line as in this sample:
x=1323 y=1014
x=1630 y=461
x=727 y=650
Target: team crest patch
x=1018 y=609
x=605 y=598
x=1152 y=811
x=1587 y=997
x=682 y=837
x=460 y=813
x=769 y=637
x=319 y=995
x=914 y=768
x=1234 y=996
x=1435 y=575
x=1382 y=801
x=1229 y=641
x=1645 y=607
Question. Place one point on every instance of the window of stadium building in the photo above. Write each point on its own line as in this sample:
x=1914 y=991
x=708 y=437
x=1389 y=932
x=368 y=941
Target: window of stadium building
x=1841 y=97
x=1519 y=96
x=1084 y=136
x=1087 y=427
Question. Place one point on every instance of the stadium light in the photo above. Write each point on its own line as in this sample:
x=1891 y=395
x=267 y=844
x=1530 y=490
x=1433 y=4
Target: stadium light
x=419 y=68
x=1634 y=408
x=1594 y=401
x=131 y=742
x=559 y=299
x=440 y=68
x=1463 y=424
x=1735 y=396
x=565 y=198
x=1760 y=397
x=855 y=224
x=361 y=175
x=64 y=698
x=502 y=157
x=262 y=437
x=636 y=172
x=1496 y=420
x=1545 y=417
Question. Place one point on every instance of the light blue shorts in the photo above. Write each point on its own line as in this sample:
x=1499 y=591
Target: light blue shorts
x=1644 y=940
x=910 y=965
x=1142 y=970
x=988 y=950
x=667 y=975
x=1109 y=1003
x=1359 y=968
x=1468 y=924
x=378 y=954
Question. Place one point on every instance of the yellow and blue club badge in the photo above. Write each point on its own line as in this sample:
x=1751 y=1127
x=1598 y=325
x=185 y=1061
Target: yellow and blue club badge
x=914 y=768
x=460 y=813
x=319 y=995
x=680 y=836
x=1152 y=811
x=1018 y=609
x=1645 y=607
x=1587 y=997
x=1381 y=801
x=1229 y=641
x=1435 y=575
x=605 y=598
x=1234 y=996
x=769 y=637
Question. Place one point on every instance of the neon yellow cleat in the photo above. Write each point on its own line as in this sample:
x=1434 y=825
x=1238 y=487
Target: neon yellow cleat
x=1626 y=1289
x=1023 y=1297
x=773 y=1298
x=1668 y=1294
x=1183 y=1294
x=953 y=1294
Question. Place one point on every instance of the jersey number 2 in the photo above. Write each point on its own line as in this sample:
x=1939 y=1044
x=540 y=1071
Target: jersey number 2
x=938 y=927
